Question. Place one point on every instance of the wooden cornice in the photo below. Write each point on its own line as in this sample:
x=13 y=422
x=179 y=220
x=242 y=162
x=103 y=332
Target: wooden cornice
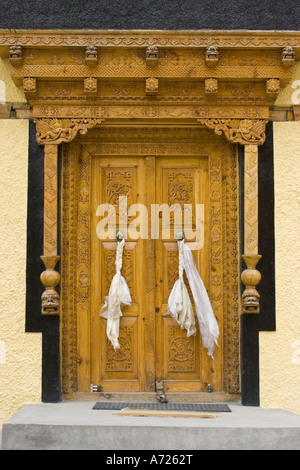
x=225 y=80
x=144 y=38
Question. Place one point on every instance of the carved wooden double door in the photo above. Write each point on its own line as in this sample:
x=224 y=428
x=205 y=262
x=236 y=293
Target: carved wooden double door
x=152 y=345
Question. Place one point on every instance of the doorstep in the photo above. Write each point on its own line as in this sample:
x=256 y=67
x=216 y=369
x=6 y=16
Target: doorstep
x=75 y=425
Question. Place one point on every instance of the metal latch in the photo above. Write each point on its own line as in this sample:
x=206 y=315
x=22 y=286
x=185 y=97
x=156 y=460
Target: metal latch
x=95 y=388
x=160 y=393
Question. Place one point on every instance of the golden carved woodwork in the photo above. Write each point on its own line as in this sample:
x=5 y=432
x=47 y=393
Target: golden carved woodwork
x=152 y=55
x=29 y=85
x=81 y=84
x=90 y=85
x=211 y=85
x=212 y=56
x=242 y=131
x=251 y=200
x=50 y=279
x=151 y=86
x=251 y=278
x=288 y=56
x=151 y=344
x=91 y=56
x=273 y=85
x=56 y=131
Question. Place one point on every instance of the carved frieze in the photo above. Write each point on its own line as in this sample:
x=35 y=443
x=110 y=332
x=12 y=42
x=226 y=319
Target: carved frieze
x=142 y=39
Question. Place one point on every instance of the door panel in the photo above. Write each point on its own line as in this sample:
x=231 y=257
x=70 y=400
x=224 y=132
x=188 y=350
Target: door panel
x=117 y=370
x=181 y=361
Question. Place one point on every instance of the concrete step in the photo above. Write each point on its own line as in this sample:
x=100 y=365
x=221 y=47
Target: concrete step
x=74 y=425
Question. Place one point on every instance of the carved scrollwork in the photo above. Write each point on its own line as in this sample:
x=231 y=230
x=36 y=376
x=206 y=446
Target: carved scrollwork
x=242 y=131
x=56 y=131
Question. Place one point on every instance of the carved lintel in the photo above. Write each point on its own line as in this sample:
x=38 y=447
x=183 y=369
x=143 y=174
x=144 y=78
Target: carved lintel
x=288 y=56
x=212 y=56
x=16 y=55
x=56 y=130
x=251 y=278
x=151 y=86
x=152 y=55
x=50 y=279
x=242 y=131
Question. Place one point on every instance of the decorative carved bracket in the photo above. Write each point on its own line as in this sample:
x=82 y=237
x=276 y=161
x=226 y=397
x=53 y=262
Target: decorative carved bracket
x=56 y=131
x=242 y=131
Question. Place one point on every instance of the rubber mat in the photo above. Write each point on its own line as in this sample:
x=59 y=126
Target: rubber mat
x=211 y=407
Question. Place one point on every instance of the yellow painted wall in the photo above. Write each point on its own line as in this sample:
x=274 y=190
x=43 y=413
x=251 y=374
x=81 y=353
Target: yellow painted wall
x=20 y=352
x=280 y=350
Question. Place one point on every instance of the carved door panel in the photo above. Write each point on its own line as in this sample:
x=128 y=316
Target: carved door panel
x=121 y=369
x=181 y=361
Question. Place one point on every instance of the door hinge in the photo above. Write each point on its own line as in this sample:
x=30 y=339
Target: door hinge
x=95 y=388
x=160 y=392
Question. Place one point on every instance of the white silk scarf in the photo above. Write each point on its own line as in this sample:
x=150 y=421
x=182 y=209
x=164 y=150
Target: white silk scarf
x=179 y=303
x=118 y=296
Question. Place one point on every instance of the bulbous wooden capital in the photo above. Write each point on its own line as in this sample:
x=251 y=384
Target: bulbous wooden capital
x=50 y=279
x=251 y=277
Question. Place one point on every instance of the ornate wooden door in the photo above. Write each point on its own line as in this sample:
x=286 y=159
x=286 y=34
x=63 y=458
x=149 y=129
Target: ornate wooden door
x=122 y=369
x=152 y=344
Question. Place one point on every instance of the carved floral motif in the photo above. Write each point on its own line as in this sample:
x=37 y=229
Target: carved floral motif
x=211 y=85
x=151 y=86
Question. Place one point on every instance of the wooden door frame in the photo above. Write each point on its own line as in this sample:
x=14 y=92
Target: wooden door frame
x=75 y=239
x=239 y=74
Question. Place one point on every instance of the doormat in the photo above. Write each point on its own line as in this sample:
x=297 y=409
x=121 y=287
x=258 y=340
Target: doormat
x=211 y=407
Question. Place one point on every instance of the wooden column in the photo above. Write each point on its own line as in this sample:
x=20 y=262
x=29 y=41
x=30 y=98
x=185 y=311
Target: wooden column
x=251 y=276
x=50 y=278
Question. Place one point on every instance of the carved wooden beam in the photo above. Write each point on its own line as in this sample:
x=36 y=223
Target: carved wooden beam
x=251 y=276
